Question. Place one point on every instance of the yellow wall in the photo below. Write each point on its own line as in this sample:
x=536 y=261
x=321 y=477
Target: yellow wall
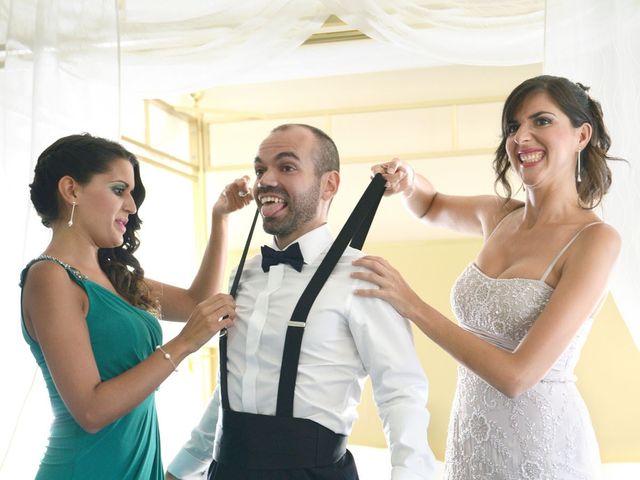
x=608 y=371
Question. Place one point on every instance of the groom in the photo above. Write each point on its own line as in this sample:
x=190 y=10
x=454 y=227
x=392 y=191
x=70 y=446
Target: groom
x=345 y=339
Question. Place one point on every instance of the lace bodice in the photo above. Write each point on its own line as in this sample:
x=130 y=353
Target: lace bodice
x=502 y=310
x=544 y=433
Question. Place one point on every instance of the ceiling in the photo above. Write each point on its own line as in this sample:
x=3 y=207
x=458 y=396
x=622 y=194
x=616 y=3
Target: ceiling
x=359 y=91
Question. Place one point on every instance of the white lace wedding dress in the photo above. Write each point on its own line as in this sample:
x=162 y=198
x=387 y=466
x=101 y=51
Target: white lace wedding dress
x=546 y=432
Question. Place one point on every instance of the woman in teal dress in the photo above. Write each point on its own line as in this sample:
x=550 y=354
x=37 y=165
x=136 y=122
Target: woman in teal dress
x=90 y=316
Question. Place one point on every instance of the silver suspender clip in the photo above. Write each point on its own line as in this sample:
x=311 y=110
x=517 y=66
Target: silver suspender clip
x=291 y=323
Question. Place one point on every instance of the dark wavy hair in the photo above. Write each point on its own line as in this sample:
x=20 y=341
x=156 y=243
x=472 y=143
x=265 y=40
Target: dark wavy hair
x=81 y=157
x=575 y=102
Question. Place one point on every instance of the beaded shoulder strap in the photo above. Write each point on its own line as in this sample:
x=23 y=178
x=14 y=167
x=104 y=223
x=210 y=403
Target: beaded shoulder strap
x=74 y=272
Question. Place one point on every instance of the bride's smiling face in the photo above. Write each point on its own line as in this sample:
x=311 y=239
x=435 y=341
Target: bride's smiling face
x=542 y=144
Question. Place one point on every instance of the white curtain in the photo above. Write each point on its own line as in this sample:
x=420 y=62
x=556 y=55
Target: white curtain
x=189 y=45
x=597 y=43
x=211 y=43
x=468 y=32
x=230 y=42
x=58 y=75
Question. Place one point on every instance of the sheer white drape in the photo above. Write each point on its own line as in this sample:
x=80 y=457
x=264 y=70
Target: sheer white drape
x=58 y=75
x=177 y=46
x=186 y=46
x=597 y=43
x=465 y=32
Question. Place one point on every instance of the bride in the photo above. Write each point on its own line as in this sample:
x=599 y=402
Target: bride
x=526 y=305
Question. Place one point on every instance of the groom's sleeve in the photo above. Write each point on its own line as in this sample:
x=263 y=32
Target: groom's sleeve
x=193 y=460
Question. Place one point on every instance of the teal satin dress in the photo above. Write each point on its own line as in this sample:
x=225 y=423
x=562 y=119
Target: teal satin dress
x=129 y=448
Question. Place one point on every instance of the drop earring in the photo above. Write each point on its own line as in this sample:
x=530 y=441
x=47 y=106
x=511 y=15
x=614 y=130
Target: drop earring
x=579 y=178
x=73 y=209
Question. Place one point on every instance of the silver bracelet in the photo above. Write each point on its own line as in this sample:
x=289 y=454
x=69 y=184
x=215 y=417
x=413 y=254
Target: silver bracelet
x=167 y=356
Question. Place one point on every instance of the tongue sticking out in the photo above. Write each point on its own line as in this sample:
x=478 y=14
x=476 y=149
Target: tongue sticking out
x=270 y=209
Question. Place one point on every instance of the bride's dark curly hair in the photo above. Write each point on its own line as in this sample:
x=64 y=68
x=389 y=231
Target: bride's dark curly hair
x=81 y=157
x=575 y=102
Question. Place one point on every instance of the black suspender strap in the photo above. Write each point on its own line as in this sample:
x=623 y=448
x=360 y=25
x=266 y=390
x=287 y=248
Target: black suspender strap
x=354 y=230
x=224 y=393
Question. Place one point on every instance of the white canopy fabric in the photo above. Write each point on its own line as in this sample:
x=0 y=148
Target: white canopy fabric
x=168 y=47
x=44 y=94
x=597 y=44
x=66 y=65
x=461 y=32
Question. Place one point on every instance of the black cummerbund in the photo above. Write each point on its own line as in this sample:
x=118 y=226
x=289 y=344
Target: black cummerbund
x=267 y=442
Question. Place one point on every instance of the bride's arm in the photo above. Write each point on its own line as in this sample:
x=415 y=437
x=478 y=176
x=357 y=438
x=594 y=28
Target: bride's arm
x=581 y=286
x=475 y=215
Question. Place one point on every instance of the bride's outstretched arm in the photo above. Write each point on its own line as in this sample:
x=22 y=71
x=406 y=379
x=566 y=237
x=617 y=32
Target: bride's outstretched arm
x=576 y=296
x=475 y=215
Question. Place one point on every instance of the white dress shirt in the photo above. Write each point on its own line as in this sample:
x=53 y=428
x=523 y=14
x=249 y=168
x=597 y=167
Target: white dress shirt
x=346 y=338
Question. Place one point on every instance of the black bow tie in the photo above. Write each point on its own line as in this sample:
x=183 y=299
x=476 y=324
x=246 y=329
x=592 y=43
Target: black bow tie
x=292 y=256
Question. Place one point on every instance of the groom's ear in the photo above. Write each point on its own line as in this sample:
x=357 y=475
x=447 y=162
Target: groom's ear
x=329 y=183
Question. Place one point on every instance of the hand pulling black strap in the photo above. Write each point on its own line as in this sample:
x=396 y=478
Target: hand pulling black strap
x=224 y=393
x=355 y=230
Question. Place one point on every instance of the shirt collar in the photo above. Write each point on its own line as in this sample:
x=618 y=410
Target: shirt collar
x=312 y=243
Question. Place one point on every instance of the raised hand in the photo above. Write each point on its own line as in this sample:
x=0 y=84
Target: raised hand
x=399 y=175
x=235 y=196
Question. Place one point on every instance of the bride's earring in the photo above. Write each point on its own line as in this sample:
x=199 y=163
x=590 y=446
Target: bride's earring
x=73 y=209
x=579 y=178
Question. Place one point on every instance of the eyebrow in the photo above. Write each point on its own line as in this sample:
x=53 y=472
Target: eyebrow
x=279 y=156
x=542 y=112
x=126 y=184
x=511 y=121
x=282 y=155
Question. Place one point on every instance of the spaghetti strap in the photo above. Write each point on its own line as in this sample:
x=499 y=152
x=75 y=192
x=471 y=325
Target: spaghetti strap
x=563 y=250
x=501 y=222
